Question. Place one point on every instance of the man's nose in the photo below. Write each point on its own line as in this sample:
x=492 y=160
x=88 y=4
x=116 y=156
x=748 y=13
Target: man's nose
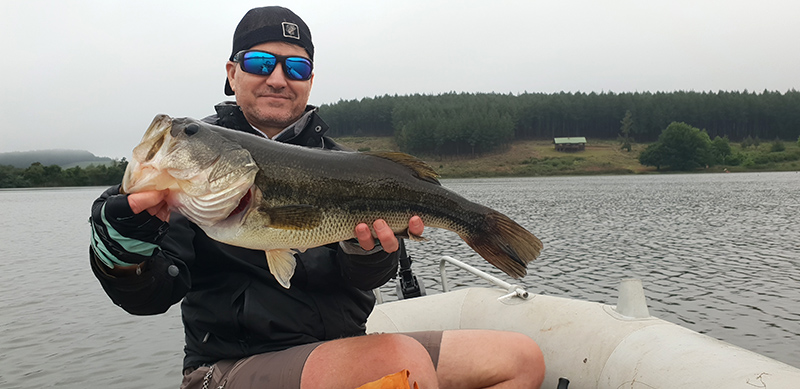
x=277 y=78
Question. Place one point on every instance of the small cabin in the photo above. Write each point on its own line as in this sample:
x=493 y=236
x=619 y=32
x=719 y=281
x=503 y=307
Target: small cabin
x=570 y=144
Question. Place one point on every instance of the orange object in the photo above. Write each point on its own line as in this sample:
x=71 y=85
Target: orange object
x=397 y=380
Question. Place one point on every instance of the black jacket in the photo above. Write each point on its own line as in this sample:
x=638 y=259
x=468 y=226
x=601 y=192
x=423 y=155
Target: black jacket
x=232 y=306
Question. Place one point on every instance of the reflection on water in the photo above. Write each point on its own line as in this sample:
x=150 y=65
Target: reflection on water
x=719 y=254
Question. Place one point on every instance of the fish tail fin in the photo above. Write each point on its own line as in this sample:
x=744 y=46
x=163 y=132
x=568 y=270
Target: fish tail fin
x=505 y=244
x=281 y=264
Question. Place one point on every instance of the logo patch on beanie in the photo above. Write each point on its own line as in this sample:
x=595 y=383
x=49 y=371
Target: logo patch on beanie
x=290 y=30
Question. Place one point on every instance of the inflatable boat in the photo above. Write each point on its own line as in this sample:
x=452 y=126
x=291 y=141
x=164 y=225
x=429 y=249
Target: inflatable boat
x=588 y=344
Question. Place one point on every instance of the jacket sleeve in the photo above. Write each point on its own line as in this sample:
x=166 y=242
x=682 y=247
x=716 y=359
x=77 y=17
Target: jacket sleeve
x=150 y=263
x=367 y=270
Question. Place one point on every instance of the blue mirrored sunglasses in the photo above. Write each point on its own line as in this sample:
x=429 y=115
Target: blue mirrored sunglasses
x=263 y=64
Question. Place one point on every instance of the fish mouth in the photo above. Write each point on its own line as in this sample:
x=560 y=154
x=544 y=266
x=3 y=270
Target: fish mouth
x=140 y=175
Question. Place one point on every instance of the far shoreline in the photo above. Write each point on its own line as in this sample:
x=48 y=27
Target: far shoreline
x=538 y=158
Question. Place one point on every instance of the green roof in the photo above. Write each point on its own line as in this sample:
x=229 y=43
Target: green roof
x=573 y=140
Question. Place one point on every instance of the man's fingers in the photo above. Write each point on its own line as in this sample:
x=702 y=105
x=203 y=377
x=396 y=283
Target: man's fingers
x=416 y=226
x=364 y=236
x=161 y=211
x=385 y=236
x=146 y=201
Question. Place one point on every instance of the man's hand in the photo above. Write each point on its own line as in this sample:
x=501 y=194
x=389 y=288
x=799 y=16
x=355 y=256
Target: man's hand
x=385 y=235
x=152 y=201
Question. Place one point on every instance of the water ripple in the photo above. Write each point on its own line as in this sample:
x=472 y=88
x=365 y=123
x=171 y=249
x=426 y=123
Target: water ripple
x=719 y=254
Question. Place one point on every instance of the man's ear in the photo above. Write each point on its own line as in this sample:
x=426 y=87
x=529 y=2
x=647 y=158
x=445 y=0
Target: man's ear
x=230 y=69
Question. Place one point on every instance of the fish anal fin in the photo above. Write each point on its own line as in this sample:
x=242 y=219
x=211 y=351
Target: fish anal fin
x=421 y=169
x=281 y=264
x=417 y=238
x=293 y=217
x=405 y=234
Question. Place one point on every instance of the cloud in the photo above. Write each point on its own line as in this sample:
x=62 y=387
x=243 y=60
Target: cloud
x=92 y=74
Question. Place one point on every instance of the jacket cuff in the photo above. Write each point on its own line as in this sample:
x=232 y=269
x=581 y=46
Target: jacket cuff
x=351 y=247
x=120 y=237
x=367 y=272
x=142 y=226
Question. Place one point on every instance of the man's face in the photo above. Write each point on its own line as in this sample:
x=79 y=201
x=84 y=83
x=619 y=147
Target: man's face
x=274 y=101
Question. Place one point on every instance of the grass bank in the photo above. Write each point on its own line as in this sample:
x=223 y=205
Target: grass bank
x=539 y=158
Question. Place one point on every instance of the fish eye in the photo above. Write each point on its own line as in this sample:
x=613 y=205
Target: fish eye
x=191 y=129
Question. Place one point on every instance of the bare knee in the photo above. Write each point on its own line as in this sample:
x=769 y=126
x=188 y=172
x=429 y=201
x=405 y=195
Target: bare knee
x=523 y=360
x=529 y=360
x=482 y=358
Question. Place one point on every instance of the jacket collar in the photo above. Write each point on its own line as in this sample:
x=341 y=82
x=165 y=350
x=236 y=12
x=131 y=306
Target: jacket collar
x=306 y=131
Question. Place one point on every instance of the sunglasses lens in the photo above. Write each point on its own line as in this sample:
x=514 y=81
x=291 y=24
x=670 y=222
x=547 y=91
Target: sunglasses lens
x=263 y=64
x=257 y=62
x=298 y=68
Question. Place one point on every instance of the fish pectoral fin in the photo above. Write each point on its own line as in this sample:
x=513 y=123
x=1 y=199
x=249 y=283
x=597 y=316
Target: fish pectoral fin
x=281 y=264
x=293 y=217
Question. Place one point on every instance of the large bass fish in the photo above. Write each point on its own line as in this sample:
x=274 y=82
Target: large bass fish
x=251 y=192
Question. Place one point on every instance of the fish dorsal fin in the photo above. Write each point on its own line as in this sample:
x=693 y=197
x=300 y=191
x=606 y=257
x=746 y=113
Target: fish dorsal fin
x=421 y=170
x=293 y=217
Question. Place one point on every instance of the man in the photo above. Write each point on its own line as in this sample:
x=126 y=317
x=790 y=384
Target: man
x=242 y=328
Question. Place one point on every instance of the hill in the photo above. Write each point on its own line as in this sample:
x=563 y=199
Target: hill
x=63 y=158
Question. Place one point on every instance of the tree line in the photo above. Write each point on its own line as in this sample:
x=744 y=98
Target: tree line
x=38 y=175
x=461 y=123
x=683 y=147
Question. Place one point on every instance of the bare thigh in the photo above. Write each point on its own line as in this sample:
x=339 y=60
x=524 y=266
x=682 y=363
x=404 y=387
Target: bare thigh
x=352 y=362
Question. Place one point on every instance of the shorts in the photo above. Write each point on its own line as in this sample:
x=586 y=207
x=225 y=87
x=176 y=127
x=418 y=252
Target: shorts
x=279 y=369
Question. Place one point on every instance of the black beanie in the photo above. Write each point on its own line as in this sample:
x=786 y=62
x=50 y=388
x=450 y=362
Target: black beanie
x=266 y=24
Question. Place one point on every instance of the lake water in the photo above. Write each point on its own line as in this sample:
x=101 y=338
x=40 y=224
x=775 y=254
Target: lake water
x=717 y=253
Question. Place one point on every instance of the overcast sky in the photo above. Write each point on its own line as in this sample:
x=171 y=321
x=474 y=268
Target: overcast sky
x=92 y=74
